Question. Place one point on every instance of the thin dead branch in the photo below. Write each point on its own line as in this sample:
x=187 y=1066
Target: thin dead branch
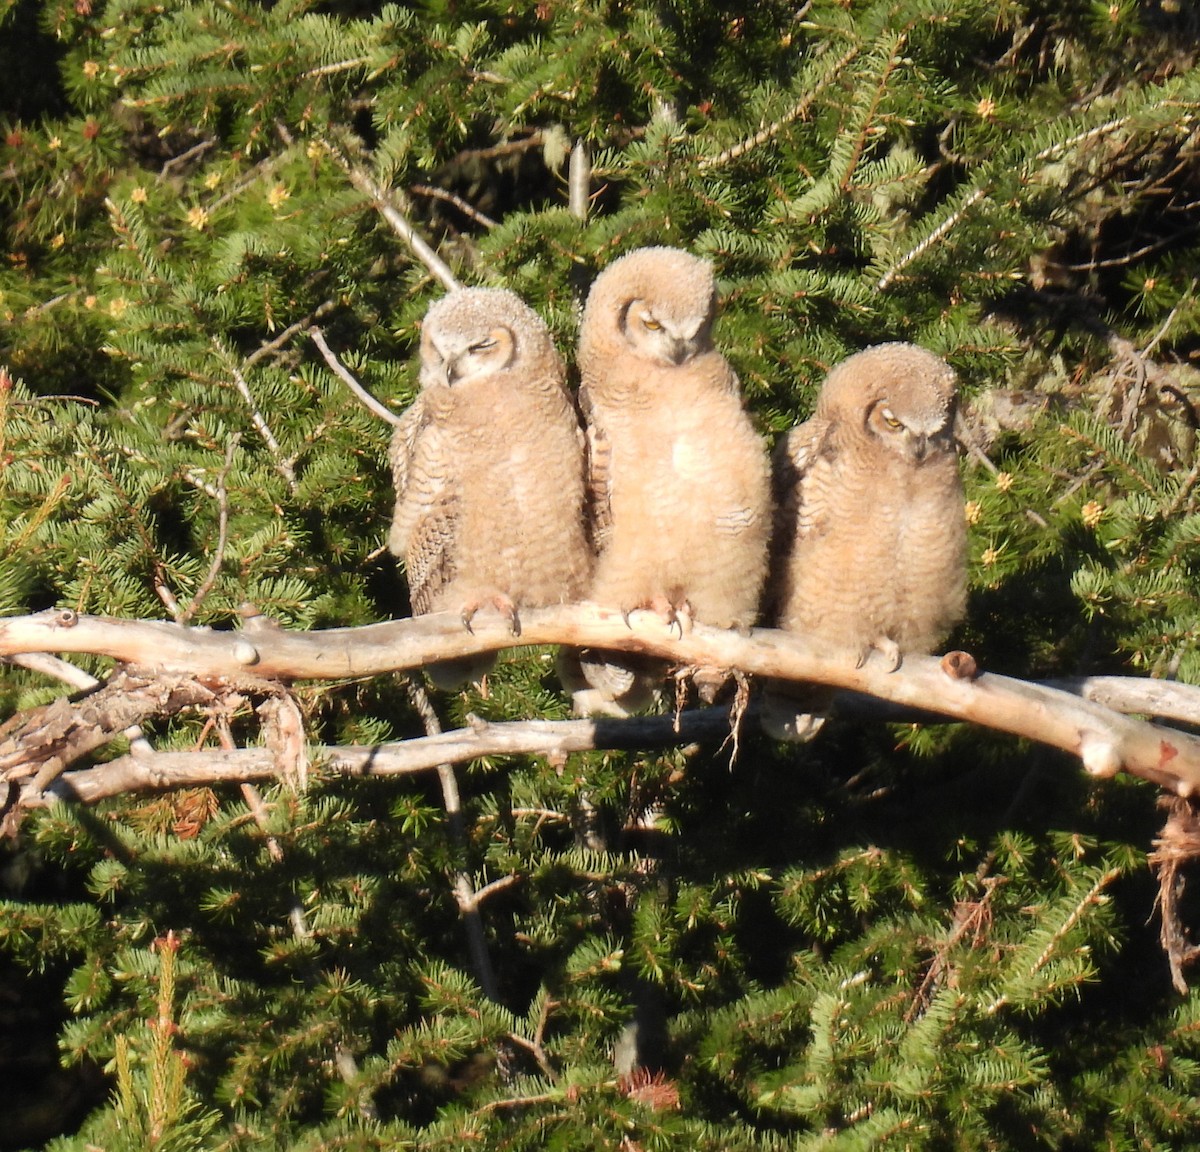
x=347 y=377
x=361 y=179
x=218 y=558
x=145 y=770
x=464 y=890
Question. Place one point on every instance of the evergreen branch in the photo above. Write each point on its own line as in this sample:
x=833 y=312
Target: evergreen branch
x=789 y=117
x=1105 y=741
x=860 y=140
x=978 y=193
x=947 y=225
x=338 y=66
x=344 y=374
x=1092 y=896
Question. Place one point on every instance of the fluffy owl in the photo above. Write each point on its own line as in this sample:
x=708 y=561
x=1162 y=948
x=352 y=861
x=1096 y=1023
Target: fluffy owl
x=488 y=468
x=870 y=548
x=679 y=481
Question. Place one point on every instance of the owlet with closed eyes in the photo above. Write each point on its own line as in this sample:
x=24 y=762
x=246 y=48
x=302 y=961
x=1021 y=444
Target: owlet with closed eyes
x=488 y=469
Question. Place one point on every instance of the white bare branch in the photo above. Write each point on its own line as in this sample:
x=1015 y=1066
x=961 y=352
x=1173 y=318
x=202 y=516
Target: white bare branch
x=1106 y=741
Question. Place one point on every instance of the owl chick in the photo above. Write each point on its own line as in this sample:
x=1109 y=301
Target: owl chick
x=488 y=469
x=870 y=550
x=679 y=481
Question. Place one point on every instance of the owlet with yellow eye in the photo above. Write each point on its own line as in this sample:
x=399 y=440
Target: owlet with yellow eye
x=679 y=480
x=488 y=469
x=870 y=540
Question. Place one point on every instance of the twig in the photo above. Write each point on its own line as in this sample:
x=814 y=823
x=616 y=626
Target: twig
x=269 y=347
x=464 y=891
x=418 y=245
x=536 y=1046
x=183 y=157
x=258 y=810
x=343 y=373
x=467 y=209
x=218 y=559
x=282 y=465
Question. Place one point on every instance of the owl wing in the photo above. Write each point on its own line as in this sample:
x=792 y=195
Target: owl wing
x=795 y=455
x=598 y=472
x=425 y=522
x=795 y=516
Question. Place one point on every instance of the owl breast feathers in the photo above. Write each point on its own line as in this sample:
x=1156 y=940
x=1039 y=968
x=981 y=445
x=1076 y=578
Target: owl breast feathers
x=488 y=464
x=870 y=548
x=678 y=479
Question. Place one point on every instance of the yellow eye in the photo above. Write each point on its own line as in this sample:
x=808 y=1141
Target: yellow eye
x=651 y=324
x=890 y=420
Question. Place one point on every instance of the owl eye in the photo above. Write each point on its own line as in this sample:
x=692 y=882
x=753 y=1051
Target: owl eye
x=651 y=325
x=890 y=420
x=485 y=345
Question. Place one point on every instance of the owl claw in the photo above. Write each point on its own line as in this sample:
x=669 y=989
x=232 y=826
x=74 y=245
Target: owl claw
x=502 y=603
x=886 y=647
x=674 y=616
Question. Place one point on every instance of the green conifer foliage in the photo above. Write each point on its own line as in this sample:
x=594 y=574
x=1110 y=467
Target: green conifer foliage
x=899 y=936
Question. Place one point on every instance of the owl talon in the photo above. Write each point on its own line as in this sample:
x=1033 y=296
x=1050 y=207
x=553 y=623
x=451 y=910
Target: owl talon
x=502 y=603
x=677 y=618
x=886 y=647
x=514 y=621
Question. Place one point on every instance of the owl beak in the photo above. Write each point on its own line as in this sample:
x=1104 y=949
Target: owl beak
x=920 y=448
x=677 y=350
x=452 y=373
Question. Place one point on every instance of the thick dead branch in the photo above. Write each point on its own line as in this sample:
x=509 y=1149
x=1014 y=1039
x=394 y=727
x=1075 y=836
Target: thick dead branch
x=1166 y=699
x=1105 y=741
x=42 y=742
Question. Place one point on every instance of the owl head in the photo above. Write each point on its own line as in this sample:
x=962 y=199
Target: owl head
x=898 y=396
x=657 y=303
x=474 y=333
